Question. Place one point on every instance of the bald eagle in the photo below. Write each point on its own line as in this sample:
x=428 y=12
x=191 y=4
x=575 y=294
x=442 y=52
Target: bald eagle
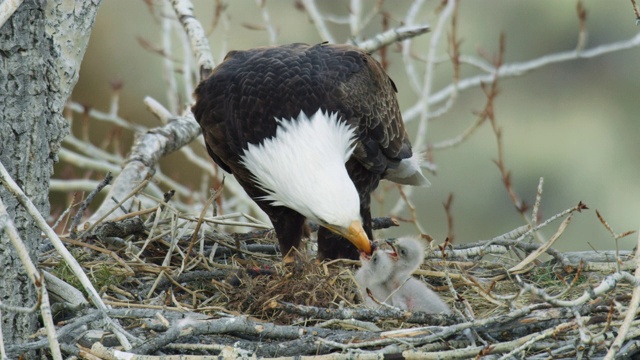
x=308 y=131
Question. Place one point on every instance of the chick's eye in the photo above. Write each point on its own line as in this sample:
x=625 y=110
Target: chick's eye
x=375 y=258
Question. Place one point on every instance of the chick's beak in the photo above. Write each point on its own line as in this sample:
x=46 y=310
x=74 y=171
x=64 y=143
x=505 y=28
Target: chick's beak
x=394 y=252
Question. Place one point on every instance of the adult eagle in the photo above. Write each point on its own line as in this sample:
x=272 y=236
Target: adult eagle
x=308 y=131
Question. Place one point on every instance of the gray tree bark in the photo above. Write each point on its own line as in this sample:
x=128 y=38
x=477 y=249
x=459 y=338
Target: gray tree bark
x=41 y=46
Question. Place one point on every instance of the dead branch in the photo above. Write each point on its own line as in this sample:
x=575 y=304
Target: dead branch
x=197 y=37
x=146 y=152
x=391 y=36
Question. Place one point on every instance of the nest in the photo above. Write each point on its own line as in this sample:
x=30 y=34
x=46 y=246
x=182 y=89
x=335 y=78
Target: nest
x=230 y=295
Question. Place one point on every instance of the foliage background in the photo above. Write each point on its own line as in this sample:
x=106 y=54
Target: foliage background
x=573 y=123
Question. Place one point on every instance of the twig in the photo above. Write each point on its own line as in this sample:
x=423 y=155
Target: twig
x=436 y=37
x=36 y=278
x=582 y=26
x=69 y=156
x=421 y=134
x=534 y=255
x=364 y=314
x=447 y=210
x=271 y=30
x=391 y=36
x=460 y=138
x=171 y=89
x=615 y=236
x=145 y=154
x=636 y=10
x=212 y=198
x=607 y=284
x=76 y=219
x=410 y=69
x=610 y=229
x=536 y=204
x=520 y=68
x=57 y=243
x=99 y=115
x=117 y=206
x=53 y=237
x=199 y=42
x=522 y=232
x=404 y=196
x=154 y=107
x=631 y=311
x=537 y=338
x=318 y=21
x=91 y=150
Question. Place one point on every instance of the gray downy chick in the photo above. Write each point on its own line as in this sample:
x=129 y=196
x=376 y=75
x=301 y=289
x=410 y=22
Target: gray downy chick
x=411 y=294
x=374 y=274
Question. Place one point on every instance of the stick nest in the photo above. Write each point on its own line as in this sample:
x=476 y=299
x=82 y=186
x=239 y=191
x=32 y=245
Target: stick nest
x=232 y=296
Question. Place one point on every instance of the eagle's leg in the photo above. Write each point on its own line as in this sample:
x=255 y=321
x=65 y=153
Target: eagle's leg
x=290 y=228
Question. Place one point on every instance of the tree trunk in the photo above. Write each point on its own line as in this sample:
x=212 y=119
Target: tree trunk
x=41 y=46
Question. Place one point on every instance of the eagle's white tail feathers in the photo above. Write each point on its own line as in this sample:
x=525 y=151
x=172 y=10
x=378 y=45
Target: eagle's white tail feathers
x=408 y=172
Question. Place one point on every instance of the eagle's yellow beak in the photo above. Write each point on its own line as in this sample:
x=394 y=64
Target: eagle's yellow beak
x=356 y=235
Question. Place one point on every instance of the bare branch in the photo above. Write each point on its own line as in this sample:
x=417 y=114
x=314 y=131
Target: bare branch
x=146 y=152
x=76 y=219
x=271 y=30
x=420 y=137
x=391 y=36
x=636 y=10
x=520 y=68
x=199 y=42
x=631 y=311
x=318 y=21
x=62 y=250
x=167 y=63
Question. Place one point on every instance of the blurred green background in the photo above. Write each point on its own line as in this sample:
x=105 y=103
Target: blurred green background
x=573 y=123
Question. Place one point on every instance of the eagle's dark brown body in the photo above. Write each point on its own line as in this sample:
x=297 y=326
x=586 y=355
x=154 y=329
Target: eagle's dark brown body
x=239 y=103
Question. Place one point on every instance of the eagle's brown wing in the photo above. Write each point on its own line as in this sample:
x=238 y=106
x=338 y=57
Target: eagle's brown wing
x=239 y=102
x=370 y=94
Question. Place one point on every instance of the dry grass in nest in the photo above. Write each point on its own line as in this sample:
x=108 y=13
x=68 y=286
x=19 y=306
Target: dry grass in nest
x=303 y=282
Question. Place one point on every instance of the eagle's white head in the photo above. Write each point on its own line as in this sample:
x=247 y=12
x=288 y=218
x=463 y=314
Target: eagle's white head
x=303 y=168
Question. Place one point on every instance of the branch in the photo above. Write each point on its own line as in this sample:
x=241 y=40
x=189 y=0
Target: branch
x=145 y=154
x=391 y=36
x=318 y=21
x=425 y=95
x=273 y=34
x=45 y=309
x=102 y=116
x=518 y=69
x=631 y=311
x=199 y=42
x=59 y=246
x=53 y=237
